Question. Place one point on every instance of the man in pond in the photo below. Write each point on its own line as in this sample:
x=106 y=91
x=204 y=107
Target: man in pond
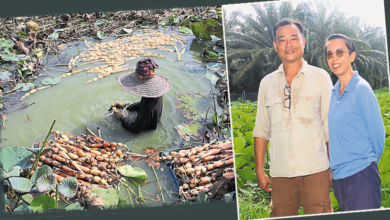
x=293 y=104
x=151 y=87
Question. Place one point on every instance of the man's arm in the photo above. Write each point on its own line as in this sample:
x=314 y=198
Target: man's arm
x=260 y=151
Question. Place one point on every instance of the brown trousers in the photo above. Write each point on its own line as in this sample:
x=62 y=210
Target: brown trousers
x=312 y=191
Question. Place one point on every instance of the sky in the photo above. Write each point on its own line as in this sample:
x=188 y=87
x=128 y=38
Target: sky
x=372 y=13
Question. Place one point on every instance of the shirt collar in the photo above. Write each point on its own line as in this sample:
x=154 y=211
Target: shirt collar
x=351 y=84
x=303 y=69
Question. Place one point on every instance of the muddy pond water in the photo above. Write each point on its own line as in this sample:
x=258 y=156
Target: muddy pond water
x=75 y=104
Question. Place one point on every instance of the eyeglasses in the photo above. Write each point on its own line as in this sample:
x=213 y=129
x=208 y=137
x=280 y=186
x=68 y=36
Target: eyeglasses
x=287 y=92
x=339 y=53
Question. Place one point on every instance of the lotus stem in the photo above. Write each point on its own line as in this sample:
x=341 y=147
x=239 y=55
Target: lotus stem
x=40 y=151
x=57 y=196
x=158 y=184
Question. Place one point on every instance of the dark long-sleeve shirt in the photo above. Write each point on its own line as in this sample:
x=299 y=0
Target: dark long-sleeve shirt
x=149 y=113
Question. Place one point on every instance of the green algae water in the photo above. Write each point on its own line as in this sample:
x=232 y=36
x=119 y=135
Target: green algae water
x=76 y=105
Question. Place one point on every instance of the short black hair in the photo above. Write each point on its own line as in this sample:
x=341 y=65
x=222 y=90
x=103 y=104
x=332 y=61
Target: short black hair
x=284 y=22
x=348 y=42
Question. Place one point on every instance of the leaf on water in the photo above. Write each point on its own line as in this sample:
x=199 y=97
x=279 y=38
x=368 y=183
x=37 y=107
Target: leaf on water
x=220 y=50
x=68 y=187
x=184 y=29
x=15 y=156
x=192 y=128
x=126 y=31
x=214 y=39
x=49 y=81
x=11 y=58
x=213 y=77
x=6 y=43
x=135 y=173
x=23 y=209
x=42 y=203
x=215 y=66
x=100 y=35
x=21 y=185
x=13 y=172
x=110 y=197
x=4 y=75
x=101 y=22
x=46 y=182
x=54 y=36
x=74 y=206
x=24 y=86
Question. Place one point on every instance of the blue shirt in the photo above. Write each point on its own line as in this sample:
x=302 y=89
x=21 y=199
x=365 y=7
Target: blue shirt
x=356 y=130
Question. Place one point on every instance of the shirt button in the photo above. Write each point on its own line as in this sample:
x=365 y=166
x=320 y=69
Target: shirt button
x=337 y=102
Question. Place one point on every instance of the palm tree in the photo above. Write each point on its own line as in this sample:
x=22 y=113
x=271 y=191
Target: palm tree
x=250 y=53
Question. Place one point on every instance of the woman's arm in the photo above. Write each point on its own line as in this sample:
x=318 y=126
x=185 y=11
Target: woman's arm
x=370 y=110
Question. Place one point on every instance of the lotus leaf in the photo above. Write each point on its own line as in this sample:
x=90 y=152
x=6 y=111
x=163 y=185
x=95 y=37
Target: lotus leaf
x=184 y=29
x=201 y=199
x=239 y=144
x=23 y=209
x=214 y=66
x=101 y=22
x=42 y=203
x=74 y=206
x=214 y=39
x=387 y=142
x=220 y=50
x=4 y=75
x=250 y=151
x=28 y=197
x=21 y=185
x=110 y=197
x=49 y=81
x=193 y=128
x=385 y=200
x=13 y=172
x=335 y=203
x=46 y=182
x=252 y=183
x=45 y=169
x=239 y=162
x=15 y=156
x=7 y=57
x=387 y=130
x=137 y=174
x=384 y=162
x=247 y=174
x=6 y=43
x=54 y=35
x=101 y=35
x=68 y=187
x=24 y=86
x=213 y=77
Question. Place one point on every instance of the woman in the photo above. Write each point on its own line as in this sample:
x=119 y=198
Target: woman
x=356 y=131
x=151 y=87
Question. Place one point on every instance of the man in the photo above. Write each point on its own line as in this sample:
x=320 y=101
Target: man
x=293 y=105
x=151 y=87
